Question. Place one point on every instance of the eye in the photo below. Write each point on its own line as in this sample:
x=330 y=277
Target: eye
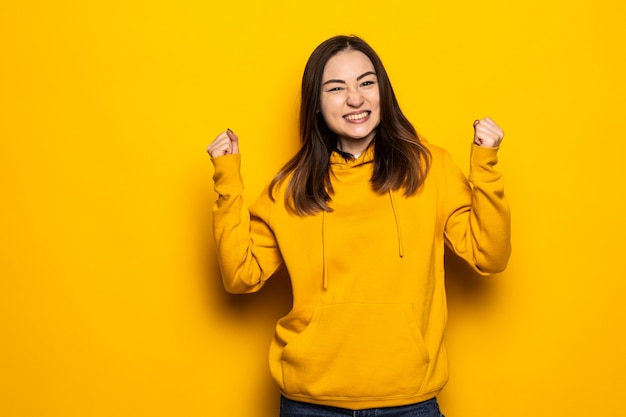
x=367 y=83
x=333 y=89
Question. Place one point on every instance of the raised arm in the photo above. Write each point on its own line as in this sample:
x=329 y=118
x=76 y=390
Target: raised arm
x=247 y=251
x=479 y=225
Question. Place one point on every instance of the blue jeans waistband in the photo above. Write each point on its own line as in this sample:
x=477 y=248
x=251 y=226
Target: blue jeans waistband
x=291 y=408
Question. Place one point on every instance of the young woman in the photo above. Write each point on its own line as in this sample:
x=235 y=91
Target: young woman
x=360 y=217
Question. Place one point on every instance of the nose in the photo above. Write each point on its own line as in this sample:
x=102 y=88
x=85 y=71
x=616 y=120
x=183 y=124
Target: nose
x=354 y=99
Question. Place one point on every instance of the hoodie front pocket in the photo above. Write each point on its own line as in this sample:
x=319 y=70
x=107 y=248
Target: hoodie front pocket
x=357 y=351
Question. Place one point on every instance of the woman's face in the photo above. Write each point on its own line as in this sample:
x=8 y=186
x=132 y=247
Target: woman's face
x=350 y=100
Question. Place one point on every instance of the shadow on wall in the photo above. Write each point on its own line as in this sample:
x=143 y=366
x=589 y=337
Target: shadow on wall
x=470 y=297
x=271 y=302
x=464 y=286
x=261 y=310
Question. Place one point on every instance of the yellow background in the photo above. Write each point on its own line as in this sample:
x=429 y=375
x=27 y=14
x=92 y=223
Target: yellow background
x=110 y=298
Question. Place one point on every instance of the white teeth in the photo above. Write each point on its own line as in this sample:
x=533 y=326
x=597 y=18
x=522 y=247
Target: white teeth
x=357 y=116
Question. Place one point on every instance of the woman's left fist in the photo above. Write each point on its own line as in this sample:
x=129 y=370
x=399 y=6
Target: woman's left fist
x=487 y=133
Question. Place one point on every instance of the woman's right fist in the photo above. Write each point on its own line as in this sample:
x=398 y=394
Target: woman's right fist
x=226 y=143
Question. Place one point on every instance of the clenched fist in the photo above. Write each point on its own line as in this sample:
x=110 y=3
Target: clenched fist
x=487 y=133
x=226 y=143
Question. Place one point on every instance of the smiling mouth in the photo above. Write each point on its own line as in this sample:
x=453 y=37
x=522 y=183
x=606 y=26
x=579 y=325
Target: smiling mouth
x=357 y=116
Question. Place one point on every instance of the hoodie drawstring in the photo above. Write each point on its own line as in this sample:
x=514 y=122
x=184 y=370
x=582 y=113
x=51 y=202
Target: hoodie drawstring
x=398 y=229
x=324 y=257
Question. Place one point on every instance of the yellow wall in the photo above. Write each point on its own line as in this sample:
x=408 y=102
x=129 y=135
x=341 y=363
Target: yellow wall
x=110 y=298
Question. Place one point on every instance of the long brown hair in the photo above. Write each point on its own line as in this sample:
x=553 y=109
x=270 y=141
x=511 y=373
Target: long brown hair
x=400 y=159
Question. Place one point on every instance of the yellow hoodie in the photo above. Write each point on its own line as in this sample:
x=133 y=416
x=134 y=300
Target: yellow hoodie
x=369 y=306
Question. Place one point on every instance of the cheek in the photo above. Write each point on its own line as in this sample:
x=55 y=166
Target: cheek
x=329 y=109
x=376 y=105
x=326 y=116
x=374 y=98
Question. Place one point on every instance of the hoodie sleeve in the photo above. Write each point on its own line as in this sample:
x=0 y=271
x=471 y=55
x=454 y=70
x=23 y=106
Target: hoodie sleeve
x=247 y=250
x=478 y=227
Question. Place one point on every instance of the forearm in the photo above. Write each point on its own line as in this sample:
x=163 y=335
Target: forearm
x=481 y=231
x=246 y=248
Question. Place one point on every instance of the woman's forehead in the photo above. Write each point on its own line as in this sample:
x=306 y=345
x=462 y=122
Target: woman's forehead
x=347 y=64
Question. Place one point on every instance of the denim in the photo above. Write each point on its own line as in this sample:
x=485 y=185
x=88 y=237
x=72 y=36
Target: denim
x=290 y=408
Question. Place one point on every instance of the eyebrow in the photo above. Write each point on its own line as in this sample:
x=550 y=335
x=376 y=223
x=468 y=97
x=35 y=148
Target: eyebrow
x=357 y=78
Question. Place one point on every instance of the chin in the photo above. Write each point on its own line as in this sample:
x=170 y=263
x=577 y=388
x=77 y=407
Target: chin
x=368 y=135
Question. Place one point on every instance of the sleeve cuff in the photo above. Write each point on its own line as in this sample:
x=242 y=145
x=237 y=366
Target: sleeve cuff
x=483 y=160
x=227 y=175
